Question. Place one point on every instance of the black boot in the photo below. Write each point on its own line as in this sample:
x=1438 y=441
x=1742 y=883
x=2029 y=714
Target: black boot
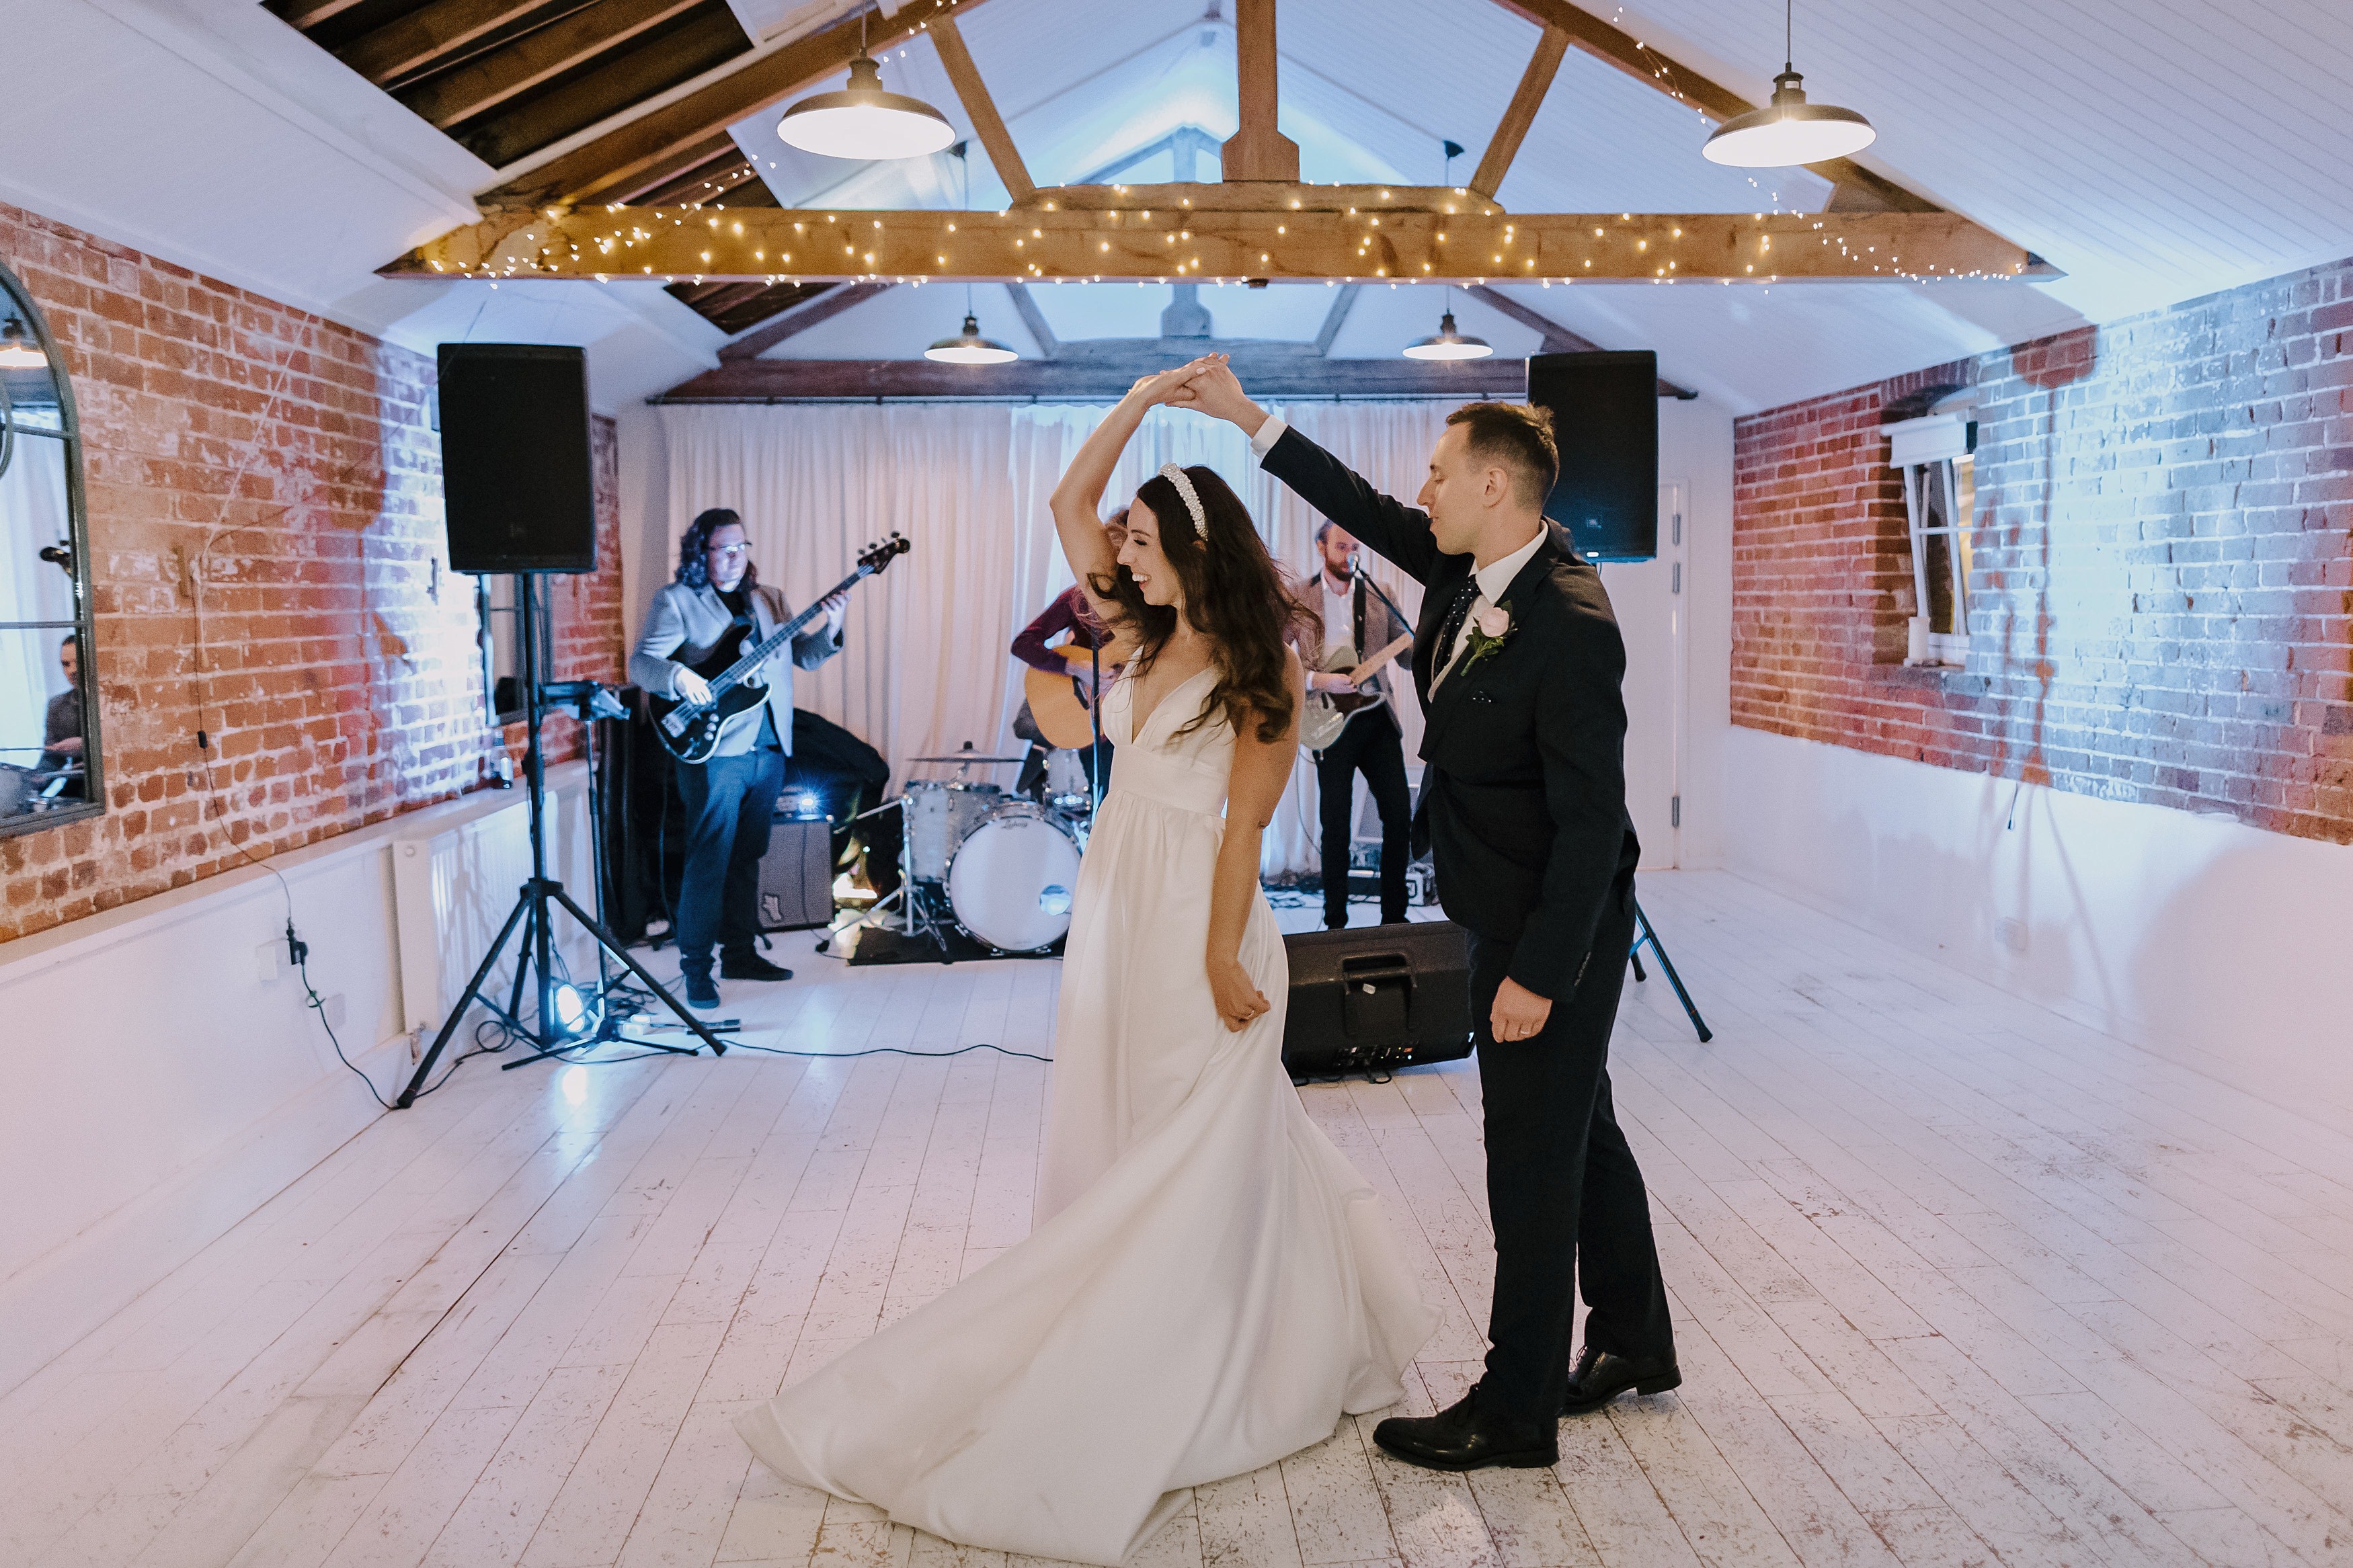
x=701 y=994
x=1602 y=1375
x=1465 y=1437
x=750 y=966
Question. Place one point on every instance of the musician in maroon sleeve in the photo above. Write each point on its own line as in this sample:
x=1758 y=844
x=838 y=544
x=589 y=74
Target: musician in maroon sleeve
x=1068 y=618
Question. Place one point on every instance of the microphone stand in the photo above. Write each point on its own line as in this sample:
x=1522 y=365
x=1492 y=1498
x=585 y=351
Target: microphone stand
x=1094 y=722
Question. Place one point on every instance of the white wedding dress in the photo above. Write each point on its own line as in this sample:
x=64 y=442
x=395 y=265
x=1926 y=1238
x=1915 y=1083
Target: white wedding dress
x=1209 y=1285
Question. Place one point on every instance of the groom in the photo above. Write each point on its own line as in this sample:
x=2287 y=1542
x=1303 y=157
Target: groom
x=1517 y=660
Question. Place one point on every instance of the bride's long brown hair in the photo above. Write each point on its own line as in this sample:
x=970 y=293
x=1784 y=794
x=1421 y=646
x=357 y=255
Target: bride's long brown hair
x=1234 y=596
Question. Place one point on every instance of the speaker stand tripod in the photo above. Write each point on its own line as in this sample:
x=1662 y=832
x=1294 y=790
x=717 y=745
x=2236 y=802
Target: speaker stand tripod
x=549 y=1033
x=1643 y=933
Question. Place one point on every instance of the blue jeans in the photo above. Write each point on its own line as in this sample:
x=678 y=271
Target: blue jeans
x=730 y=804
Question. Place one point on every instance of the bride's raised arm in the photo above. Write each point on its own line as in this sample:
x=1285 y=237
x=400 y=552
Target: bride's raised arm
x=1261 y=770
x=1079 y=496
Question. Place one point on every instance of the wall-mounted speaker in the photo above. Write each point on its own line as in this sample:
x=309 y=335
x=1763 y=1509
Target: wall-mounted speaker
x=516 y=480
x=1604 y=418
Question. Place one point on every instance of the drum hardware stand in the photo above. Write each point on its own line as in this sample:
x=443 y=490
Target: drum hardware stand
x=1643 y=932
x=534 y=908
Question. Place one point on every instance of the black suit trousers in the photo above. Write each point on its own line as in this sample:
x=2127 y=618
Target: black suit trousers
x=1371 y=743
x=1563 y=1189
x=731 y=804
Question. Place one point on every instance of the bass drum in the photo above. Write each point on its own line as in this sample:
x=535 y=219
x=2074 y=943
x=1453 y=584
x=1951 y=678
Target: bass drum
x=939 y=816
x=1010 y=883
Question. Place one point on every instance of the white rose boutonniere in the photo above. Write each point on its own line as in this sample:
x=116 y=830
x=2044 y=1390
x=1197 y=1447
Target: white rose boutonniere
x=1491 y=627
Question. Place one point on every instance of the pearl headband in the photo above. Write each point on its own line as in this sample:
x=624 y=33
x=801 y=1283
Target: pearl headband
x=1184 y=482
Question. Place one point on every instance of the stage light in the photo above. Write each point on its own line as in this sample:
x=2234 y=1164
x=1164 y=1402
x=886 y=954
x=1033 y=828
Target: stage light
x=863 y=120
x=18 y=352
x=1449 y=343
x=968 y=347
x=1789 y=131
x=807 y=806
x=571 y=1013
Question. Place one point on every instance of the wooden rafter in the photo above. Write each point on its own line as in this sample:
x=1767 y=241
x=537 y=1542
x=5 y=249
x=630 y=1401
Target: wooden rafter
x=1026 y=307
x=652 y=148
x=428 y=35
x=821 y=303
x=1408 y=238
x=981 y=109
x=1257 y=150
x=305 y=14
x=1343 y=299
x=704 y=40
x=1521 y=113
x=497 y=75
x=1857 y=189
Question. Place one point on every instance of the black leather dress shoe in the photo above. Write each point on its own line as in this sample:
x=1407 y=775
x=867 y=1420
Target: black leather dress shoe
x=1602 y=1375
x=750 y=966
x=1464 y=1438
x=702 y=992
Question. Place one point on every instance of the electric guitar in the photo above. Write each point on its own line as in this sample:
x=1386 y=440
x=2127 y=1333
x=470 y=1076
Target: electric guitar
x=1057 y=703
x=690 y=730
x=1327 y=712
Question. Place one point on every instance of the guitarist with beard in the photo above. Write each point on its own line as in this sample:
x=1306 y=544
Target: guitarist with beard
x=1356 y=625
x=713 y=610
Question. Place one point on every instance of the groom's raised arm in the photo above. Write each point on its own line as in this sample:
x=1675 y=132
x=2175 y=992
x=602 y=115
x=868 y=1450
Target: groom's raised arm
x=1386 y=525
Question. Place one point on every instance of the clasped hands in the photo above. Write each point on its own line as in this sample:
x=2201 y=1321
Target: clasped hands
x=1206 y=383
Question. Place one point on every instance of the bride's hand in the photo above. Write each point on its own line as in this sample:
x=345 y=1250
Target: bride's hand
x=1240 y=1000
x=1174 y=386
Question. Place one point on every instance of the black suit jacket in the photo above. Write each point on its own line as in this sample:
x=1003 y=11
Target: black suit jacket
x=1525 y=787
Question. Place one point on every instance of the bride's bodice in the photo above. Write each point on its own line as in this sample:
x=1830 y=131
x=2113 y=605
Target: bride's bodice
x=1189 y=771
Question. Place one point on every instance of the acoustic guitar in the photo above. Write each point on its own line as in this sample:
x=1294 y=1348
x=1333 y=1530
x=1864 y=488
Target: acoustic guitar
x=691 y=730
x=1057 y=703
x=1328 y=712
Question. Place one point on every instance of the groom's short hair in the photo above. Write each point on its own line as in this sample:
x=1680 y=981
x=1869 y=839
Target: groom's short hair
x=1516 y=437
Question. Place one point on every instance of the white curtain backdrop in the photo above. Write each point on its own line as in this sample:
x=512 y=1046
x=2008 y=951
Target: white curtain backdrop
x=925 y=665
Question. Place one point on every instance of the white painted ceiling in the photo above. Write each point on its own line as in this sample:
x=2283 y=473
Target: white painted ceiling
x=2155 y=150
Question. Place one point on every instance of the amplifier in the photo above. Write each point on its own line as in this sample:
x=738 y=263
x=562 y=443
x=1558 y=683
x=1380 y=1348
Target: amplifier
x=796 y=873
x=1373 y=998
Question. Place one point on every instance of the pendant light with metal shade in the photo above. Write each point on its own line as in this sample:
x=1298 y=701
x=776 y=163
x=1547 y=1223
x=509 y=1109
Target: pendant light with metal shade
x=1789 y=131
x=19 y=351
x=968 y=347
x=863 y=120
x=1448 y=343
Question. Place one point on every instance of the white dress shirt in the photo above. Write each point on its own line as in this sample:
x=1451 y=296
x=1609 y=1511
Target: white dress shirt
x=1339 y=617
x=1494 y=579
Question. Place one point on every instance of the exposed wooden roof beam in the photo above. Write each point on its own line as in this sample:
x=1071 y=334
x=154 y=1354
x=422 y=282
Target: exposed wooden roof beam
x=1257 y=150
x=1521 y=113
x=434 y=31
x=1409 y=239
x=1107 y=375
x=1862 y=190
x=981 y=109
x=821 y=305
x=649 y=148
x=1558 y=339
x=637 y=72
x=305 y=14
x=500 y=73
x=1343 y=299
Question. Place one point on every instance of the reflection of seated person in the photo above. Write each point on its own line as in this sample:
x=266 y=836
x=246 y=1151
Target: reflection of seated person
x=1068 y=616
x=61 y=734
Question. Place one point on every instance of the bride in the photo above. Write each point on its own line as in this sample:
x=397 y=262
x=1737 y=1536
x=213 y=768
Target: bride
x=1210 y=1286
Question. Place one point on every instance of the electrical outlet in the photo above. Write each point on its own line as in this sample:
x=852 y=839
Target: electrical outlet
x=270 y=960
x=2010 y=933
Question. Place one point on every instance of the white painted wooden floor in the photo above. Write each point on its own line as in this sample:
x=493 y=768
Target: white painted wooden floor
x=1957 y=1281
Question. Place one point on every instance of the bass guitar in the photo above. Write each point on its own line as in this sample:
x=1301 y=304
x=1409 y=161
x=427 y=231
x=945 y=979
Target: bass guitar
x=690 y=730
x=1327 y=712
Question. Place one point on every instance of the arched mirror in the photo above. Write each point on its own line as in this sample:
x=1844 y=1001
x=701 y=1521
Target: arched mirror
x=48 y=692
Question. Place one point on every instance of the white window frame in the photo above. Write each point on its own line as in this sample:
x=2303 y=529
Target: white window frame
x=1936 y=451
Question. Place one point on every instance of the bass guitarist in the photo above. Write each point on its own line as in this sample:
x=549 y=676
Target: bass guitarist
x=1356 y=624
x=702 y=621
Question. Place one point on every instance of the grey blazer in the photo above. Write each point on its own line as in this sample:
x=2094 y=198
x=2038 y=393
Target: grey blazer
x=691 y=622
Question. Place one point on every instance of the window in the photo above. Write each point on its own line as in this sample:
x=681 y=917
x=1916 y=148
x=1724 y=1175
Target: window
x=1934 y=454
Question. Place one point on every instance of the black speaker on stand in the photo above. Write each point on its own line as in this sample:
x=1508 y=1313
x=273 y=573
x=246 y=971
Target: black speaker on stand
x=518 y=490
x=1605 y=420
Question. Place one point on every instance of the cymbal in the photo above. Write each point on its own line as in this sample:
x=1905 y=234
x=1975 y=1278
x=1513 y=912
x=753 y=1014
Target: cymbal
x=967 y=757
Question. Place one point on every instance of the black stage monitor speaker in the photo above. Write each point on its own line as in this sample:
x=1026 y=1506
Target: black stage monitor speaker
x=1605 y=416
x=796 y=873
x=515 y=470
x=1373 y=998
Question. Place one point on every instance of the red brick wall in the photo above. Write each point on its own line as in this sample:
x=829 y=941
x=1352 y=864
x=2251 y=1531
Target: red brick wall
x=277 y=472
x=2161 y=591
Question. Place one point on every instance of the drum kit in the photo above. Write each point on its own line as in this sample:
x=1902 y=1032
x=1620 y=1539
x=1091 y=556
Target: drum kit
x=993 y=866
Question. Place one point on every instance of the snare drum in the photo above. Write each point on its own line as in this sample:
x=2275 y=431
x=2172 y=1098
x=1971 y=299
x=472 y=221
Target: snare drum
x=1012 y=879
x=940 y=816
